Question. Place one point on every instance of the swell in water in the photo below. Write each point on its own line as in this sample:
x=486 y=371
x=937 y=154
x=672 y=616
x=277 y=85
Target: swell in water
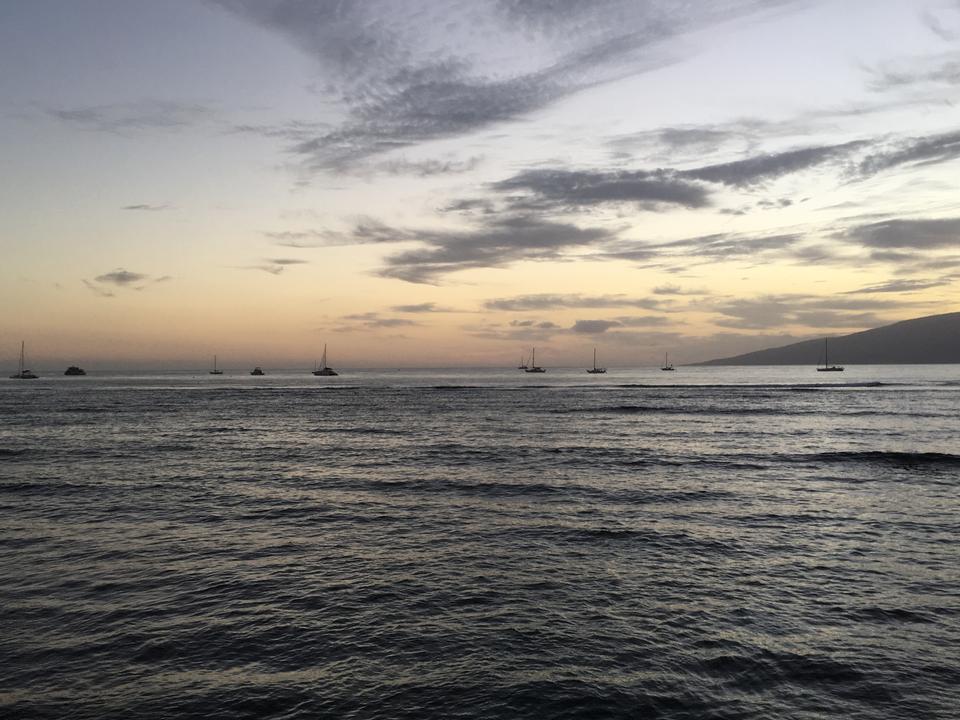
x=479 y=548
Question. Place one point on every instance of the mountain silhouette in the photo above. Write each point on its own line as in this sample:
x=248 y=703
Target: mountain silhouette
x=931 y=339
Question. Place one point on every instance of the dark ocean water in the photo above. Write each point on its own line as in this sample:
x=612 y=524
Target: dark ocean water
x=710 y=543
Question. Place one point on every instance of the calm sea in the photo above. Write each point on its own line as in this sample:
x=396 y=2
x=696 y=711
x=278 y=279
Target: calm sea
x=709 y=543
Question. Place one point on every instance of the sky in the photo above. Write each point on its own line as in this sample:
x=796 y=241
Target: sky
x=451 y=183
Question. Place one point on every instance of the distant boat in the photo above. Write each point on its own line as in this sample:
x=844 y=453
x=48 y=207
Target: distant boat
x=215 y=371
x=323 y=369
x=826 y=365
x=596 y=370
x=666 y=363
x=22 y=372
x=523 y=363
x=74 y=370
x=257 y=371
x=534 y=368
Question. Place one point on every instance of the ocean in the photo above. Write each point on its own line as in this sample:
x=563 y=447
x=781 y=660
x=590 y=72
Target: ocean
x=709 y=543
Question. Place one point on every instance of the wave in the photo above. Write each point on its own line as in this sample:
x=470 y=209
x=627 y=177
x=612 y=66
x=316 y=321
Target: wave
x=887 y=457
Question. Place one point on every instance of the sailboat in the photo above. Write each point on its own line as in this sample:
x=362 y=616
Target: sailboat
x=827 y=367
x=215 y=371
x=323 y=369
x=22 y=372
x=596 y=370
x=534 y=368
x=666 y=363
x=523 y=363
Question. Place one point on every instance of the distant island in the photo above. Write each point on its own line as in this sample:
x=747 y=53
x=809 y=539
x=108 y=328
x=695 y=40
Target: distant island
x=931 y=339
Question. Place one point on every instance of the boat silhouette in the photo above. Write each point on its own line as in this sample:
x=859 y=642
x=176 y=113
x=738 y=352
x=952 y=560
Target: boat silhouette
x=324 y=369
x=596 y=370
x=827 y=367
x=22 y=372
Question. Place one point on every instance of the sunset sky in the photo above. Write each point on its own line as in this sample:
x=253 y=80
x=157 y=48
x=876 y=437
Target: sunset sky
x=452 y=182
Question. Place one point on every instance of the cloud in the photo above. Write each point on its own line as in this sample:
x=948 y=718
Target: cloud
x=928 y=150
x=705 y=248
x=274 y=266
x=777 y=311
x=372 y=321
x=922 y=234
x=121 y=277
x=593 y=327
x=145 y=207
x=546 y=301
x=427 y=307
x=97 y=290
x=901 y=286
x=124 y=279
x=676 y=290
x=401 y=85
x=761 y=168
x=494 y=243
x=427 y=168
x=123 y=118
x=573 y=189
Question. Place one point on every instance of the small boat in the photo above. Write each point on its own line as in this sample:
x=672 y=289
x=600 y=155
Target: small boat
x=666 y=363
x=215 y=371
x=324 y=369
x=523 y=363
x=534 y=368
x=74 y=370
x=22 y=372
x=596 y=370
x=826 y=366
x=257 y=371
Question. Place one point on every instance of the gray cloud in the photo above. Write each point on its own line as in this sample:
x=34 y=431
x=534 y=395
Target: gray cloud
x=121 y=277
x=98 y=290
x=546 y=301
x=572 y=189
x=122 y=118
x=901 y=286
x=928 y=150
x=593 y=327
x=428 y=168
x=773 y=311
x=676 y=290
x=761 y=168
x=923 y=234
x=145 y=207
x=495 y=243
x=705 y=248
x=375 y=320
x=402 y=86
x=427 y=307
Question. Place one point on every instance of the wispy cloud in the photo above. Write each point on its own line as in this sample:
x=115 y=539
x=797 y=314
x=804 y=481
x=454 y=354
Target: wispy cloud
x=124 y=118
x=402 y=86
x=427 y=307
x=575 y=189
x=901 y=286
x=546 y=301
x=146 y=207
x=778 y=311
x=762 y=168
x=103 y=285
x=494 y=243
x=914 y=234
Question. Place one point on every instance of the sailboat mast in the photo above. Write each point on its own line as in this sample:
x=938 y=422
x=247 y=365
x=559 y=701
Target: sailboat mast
x=20 y=372
x=594 y=358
